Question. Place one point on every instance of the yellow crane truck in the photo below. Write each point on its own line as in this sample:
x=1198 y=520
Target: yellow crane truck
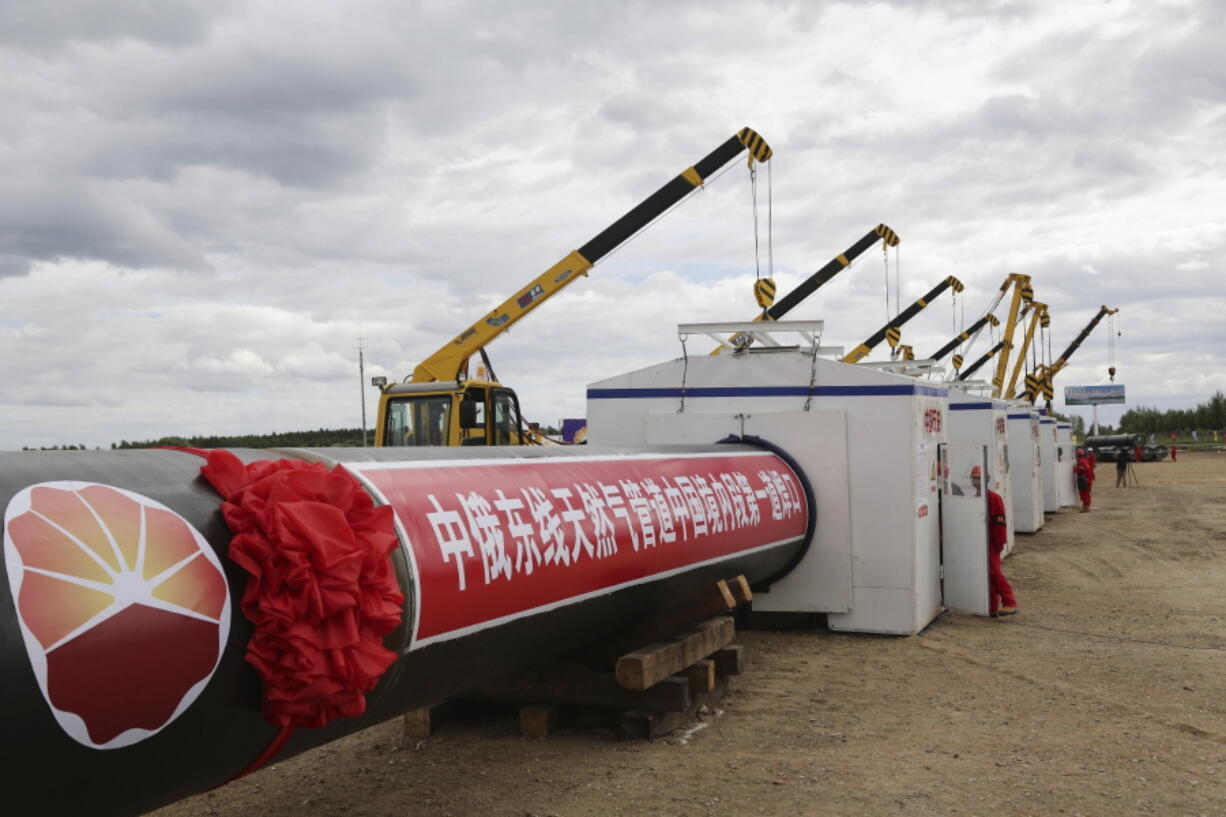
x=440 y=404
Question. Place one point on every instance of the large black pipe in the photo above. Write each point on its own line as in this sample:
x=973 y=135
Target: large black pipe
x=66 y=705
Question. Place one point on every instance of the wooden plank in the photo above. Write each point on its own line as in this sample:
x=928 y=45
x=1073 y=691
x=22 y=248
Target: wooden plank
x=740 y=590
x=710 y=699
x=701 y=675
x=538 y=721
x=730 y=660
x=726 y=594
x=421 y=723
x=580 y=688
x=650 y=665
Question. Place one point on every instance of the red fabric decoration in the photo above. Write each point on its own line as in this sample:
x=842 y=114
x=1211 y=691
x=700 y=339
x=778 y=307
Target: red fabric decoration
x=322 y=592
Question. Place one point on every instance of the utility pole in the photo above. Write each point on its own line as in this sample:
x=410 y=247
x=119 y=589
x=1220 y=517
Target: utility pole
x=360 y=342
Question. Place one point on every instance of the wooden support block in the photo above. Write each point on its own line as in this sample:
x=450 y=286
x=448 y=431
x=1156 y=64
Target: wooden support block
x=538 y=721
x=421 y=723
x=650 y=665
x=740 y=590
x=730 y=660
x=710 y=699
x=701 y=676
x=726 y=594
x=637 y=724
x=578 y=688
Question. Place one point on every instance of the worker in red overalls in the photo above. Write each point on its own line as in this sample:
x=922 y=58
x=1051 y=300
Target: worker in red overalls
x=1083 y=472
x=1001 y=601
x=1092 y=456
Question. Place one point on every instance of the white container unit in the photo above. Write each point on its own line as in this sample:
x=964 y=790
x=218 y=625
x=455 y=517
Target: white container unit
x=1050 y=459
x=982 y=420
x=867 y=440
x=1025 y=468
x=1066 y=458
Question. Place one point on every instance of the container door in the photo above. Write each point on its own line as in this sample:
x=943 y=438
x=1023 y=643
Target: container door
x=964 y=528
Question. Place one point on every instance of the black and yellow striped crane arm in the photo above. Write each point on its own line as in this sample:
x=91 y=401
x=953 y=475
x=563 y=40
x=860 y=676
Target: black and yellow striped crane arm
x=898 y=320
x=978 y=364
x=1062 y=361
x=450 y=360
x=840 y=262
x=964 y=335
x=1045 y=375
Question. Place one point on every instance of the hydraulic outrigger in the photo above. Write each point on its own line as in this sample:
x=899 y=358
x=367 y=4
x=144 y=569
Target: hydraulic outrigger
x=893 y=330
x=818 y=279
x=440 y=405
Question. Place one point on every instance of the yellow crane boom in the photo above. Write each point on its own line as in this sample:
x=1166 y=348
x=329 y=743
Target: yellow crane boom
x=1022 y=291
x=1037 y=313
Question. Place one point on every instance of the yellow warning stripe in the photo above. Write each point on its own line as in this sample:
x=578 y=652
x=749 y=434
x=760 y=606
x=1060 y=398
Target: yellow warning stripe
x=755 y=144
x=889 y=236
x=691 y=176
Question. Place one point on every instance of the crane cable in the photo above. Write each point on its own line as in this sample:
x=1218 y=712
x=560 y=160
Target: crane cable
x=1111 y=334
x=897 y=277
x=885 y=266
x=965 y=343
x=1050 y=358
x=970 y=342
x=764 y=302
x=770 y=222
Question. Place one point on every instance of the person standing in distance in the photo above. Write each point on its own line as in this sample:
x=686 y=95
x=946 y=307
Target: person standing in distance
x=1084 y=473
x=1123 y=456
x=1001 y=601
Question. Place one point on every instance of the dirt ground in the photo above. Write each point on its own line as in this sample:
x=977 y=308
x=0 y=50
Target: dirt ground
x=1106 y=695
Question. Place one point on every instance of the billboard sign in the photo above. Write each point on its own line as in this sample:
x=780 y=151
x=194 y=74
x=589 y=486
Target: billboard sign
x=1093 y=395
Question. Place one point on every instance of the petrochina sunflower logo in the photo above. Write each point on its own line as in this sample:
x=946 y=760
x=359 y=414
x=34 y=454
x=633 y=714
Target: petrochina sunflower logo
x=123 y=606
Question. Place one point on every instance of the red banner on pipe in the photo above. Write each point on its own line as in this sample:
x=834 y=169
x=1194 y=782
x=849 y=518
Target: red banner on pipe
x=494 y=540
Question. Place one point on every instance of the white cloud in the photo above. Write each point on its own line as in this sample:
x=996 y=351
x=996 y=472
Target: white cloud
x=204 y=208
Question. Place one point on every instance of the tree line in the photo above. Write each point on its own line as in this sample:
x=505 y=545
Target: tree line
x=319 y=438
x=1207 y=416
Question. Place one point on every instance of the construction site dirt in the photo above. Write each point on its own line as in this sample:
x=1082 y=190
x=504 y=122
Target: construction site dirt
x=1106 y=695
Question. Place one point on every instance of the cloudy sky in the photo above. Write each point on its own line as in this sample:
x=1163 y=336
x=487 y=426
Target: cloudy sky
x=206 y=203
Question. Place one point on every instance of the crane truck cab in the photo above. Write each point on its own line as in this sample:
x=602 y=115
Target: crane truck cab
x=463 y=412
